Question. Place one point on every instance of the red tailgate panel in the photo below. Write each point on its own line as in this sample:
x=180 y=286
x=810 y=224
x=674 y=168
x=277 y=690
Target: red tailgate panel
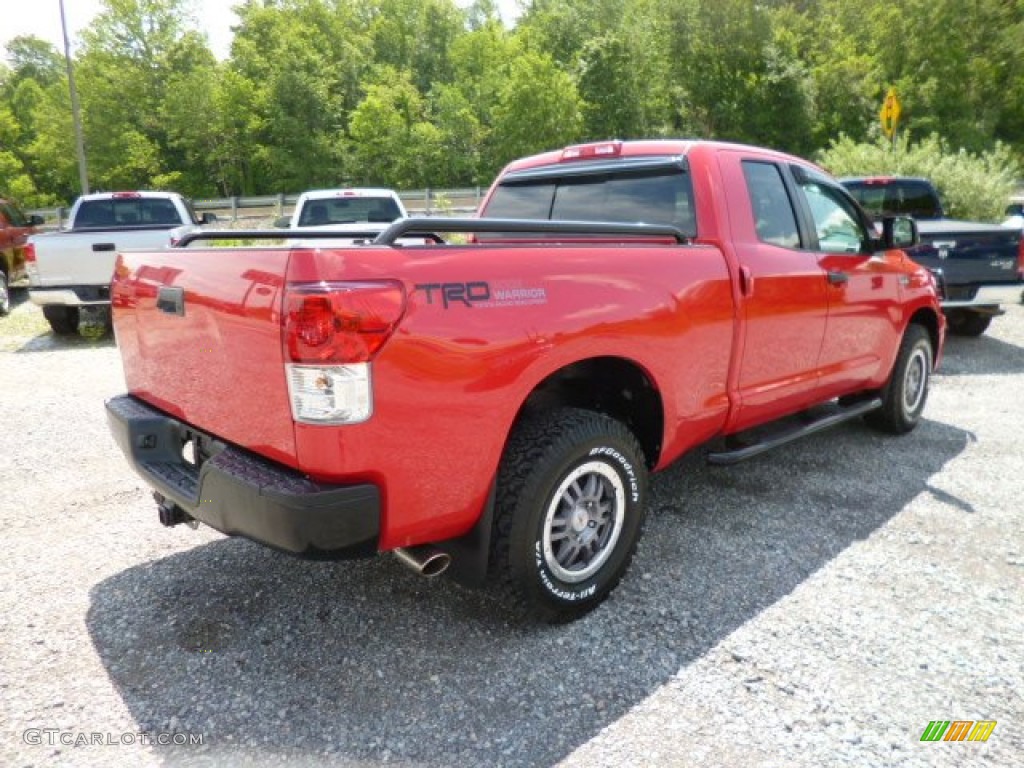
x=216 y=361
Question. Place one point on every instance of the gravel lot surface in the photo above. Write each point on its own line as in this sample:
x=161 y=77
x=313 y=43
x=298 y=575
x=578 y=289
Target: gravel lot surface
x=816 y=606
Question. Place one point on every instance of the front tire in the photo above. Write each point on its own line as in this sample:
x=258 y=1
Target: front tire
x=569 y=509
x=906 y=392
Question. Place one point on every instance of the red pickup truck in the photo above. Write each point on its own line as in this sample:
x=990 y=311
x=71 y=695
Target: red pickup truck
x=497 y=405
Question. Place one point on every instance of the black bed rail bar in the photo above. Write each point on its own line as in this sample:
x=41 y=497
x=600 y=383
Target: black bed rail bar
x=425 y=225
x=429 y=227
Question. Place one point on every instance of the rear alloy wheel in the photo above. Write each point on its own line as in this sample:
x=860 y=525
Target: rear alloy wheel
x=904 y=395
x=568 y=512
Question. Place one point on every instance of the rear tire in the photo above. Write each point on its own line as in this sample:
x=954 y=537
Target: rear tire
x=63 y=320
x=906 y=392
x=569 y=509
x=963 y=322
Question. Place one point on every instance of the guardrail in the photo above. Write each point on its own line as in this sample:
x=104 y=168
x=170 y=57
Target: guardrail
x=419 y=202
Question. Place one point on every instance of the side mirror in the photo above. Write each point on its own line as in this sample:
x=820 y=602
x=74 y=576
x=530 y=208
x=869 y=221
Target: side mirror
x=208 y=218
x=899 y=232
x=35 y=220
x=282 y=222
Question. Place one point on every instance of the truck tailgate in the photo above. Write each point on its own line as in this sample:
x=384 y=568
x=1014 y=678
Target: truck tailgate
x=969 y=253
x=200 y=338
x=87 y=258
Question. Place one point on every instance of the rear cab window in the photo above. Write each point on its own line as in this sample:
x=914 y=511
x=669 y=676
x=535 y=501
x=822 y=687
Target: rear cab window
x=896 y=197
x=648 y=191
x=348 y=210
x=127 y=212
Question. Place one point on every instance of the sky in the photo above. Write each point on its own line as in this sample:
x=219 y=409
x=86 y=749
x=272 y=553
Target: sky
x=42 y=19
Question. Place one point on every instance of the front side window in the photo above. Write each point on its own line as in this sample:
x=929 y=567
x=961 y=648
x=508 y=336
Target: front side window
x=835 y=220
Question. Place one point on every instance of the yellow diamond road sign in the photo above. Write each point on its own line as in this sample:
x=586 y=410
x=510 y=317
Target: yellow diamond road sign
x=890 y=113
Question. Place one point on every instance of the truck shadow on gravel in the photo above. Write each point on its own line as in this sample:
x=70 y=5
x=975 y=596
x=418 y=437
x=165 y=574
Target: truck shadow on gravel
x=270 y=658
x=49 y=342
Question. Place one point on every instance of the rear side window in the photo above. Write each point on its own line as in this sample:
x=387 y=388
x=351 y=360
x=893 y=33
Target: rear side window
x=641 y=198
x=774 y=218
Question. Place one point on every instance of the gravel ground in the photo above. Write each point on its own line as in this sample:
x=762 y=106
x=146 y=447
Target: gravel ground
x=816 y=606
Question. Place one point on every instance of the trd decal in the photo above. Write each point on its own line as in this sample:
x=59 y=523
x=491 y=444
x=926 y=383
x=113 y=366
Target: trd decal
x=483 y=295
x=452 y=293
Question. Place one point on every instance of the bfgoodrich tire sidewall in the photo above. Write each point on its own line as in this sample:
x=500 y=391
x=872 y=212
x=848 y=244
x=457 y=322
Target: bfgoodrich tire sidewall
x=527 y=558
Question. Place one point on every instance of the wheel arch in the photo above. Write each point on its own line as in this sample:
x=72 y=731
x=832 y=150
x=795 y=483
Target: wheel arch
x=615 y=386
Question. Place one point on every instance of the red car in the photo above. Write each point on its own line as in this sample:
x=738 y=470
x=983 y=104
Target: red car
x=15 y=227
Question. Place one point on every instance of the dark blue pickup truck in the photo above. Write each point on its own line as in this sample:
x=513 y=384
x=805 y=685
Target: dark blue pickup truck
x=980 y=266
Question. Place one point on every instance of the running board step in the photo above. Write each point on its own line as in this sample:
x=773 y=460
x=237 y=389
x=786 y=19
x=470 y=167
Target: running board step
x=832 y=416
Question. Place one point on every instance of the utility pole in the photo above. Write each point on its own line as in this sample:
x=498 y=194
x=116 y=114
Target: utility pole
x=76 y=113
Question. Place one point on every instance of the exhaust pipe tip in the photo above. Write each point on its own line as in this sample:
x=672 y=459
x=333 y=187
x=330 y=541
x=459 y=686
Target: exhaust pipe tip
x=425 y=559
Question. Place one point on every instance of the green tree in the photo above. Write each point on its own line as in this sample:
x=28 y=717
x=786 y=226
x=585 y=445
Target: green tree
x=393 y=143
x=538 y=108
x=415 y=36
x=132 y=51
x=302 y=65
x=32 y=58
x=736 y=80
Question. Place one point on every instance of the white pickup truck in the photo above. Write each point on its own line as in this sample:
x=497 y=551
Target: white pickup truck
x=70 y=271
x=357 y=214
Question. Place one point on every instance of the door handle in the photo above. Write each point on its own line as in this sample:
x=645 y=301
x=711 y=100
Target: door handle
x=837 y=278
x=171 y=300
x=103 y=247
x=746 y=281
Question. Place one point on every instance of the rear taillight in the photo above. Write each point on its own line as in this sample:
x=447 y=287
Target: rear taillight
x=341 y=322
x=31 y=267
x=331 y=333
x=1020 y=257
